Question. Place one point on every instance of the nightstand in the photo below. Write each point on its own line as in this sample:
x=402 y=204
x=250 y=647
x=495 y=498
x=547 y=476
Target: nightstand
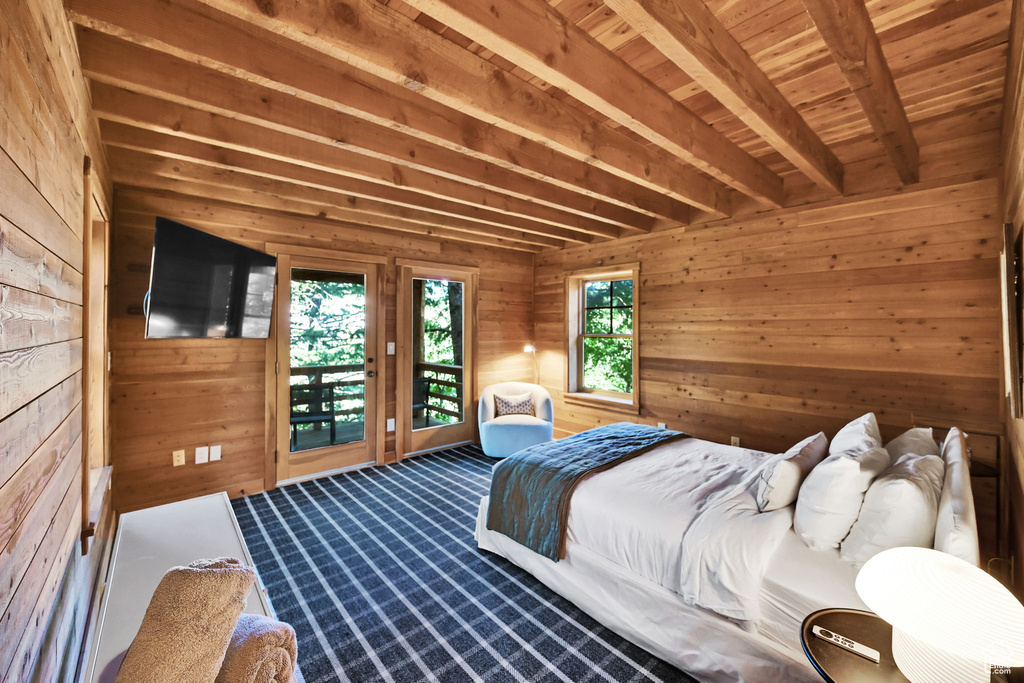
x=838 y=665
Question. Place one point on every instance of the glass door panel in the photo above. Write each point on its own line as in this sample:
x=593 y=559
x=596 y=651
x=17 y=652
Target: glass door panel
x=437 y=357
x=327 y=358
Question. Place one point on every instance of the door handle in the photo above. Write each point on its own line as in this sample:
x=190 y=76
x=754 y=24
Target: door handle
x=371 y=373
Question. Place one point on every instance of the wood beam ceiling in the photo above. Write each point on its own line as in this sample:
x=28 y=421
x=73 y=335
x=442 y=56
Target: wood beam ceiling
x=260 y=56
x=690 y=35
x=535 y=36
x=513 y=123
x=851 y=38
x=138 y=169
x=377 y=40
x=123 y=136
x=164 y=86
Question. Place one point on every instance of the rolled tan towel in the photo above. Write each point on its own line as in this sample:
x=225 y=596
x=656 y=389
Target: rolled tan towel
x=262 y=650
x=188 y=623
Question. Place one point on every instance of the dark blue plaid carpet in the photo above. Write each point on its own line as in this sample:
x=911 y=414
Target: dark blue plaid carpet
x=378 y=572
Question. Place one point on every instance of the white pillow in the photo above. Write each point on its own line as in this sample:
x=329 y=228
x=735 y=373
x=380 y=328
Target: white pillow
x=956 y=529
x=918 y=440
x=899 y=509
x=831 y=495
x=856 y=437
x=779 y=483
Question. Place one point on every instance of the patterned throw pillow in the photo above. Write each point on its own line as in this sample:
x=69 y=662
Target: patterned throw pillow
x=519 y=404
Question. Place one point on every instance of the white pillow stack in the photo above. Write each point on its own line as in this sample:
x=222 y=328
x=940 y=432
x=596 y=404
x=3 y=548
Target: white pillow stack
x=956 y=529
x=831 y=496
x=899 y=508
x=918 y=440
x=779 y=483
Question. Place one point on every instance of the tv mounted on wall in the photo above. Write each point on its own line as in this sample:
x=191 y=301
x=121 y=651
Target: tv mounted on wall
x=204 y=286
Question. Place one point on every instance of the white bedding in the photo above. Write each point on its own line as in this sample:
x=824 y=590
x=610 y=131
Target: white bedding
x=800 y=581
x=684 y=518
x=697 y=641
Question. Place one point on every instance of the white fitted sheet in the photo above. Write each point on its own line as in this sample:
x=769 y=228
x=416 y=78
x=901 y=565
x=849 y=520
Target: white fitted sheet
x=800 y=581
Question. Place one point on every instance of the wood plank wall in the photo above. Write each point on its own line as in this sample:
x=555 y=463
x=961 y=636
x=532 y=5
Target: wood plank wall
x=170 y=394
x=46 y=131
x=773 y=327
x=1013 y=212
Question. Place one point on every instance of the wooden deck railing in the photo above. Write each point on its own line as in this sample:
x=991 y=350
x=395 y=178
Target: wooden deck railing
x=443 y=375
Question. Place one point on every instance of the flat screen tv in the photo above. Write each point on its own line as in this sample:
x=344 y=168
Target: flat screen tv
x=205 y=286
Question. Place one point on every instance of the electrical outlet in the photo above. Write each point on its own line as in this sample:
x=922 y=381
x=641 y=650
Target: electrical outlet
x=391 y=348
x=661 y=425
x=734 y=440
x=178 y=457
x=214 y=453
x=391 y=424
x=202 y=454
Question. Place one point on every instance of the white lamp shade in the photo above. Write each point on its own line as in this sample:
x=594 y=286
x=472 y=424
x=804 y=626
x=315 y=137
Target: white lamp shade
x=950 y=619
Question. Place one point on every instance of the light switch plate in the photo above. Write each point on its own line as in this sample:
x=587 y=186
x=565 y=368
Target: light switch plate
x=214 y=453
x=178 y=457
x=202 y=454
x=391 y=424
x=391 y=348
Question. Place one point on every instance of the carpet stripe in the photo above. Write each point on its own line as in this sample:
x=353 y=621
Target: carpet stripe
x=378 y=572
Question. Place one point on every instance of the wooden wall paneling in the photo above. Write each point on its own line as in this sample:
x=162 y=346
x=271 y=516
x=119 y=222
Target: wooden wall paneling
x=1012 y=210
x=774 y=327
x=169 y=394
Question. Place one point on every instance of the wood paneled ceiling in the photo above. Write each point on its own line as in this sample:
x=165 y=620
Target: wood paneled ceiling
x=530 y=124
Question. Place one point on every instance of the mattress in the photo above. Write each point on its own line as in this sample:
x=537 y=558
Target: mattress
x=800 y=581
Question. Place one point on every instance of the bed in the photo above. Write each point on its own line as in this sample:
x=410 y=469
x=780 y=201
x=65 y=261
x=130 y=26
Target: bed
x=622 y=563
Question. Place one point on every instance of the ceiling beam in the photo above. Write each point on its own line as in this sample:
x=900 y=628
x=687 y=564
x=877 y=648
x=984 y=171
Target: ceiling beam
x=536 y=37
x=158 y=75
x=377 y=40
x=123 y=136
x=850 y=36
x=690 y=35
x=136 y=207
x=177 y=123
x=205 y=36
x=131 y=171
x=332 y=204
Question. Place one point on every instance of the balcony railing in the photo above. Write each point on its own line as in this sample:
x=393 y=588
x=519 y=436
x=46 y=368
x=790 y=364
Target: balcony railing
x=437 y=375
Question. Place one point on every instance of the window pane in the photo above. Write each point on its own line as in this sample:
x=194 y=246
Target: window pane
x=327 y=358
x=598 y=294
x=437 y=363
x=608 y=364
x=622 y=293
x=622 y=321
x=598 y=321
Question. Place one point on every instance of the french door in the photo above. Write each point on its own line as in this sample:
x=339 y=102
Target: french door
x=435 y=368
x=327 y=366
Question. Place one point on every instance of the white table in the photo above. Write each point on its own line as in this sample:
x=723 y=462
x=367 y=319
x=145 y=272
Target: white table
x=148 y=543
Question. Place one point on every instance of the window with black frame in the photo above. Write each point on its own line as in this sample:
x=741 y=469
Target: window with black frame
x=606 y=332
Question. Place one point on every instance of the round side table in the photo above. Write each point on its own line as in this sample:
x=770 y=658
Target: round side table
x=839 y=665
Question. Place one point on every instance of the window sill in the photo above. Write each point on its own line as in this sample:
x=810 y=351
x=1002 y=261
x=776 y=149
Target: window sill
x=614 y=403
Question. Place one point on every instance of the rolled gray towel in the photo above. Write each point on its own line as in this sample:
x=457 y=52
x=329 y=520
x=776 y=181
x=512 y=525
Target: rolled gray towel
x=262 y=650
x=189 y=623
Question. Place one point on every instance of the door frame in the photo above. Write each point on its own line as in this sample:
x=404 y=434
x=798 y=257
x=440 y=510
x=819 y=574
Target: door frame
x=406 y=443
x=277 y=360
